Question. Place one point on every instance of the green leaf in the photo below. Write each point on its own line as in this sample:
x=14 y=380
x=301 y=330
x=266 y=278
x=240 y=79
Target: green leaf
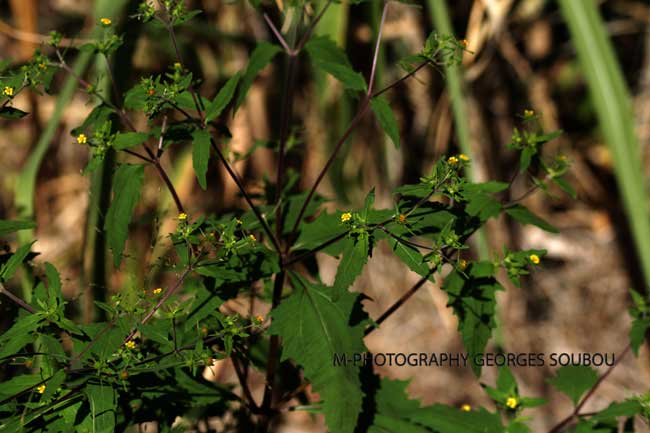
x=410 y=256
x=625 y=408
x=125 y=140
x=566 y=187
x=322 y=48
x=446 y=419
x=11 y=266
x=12 y=113
x=7 y=227
x=19 y=335
x=574 y=381
x=482 y=205
x=223 y=98
x=261 y=56
x=102 y=400
x=126 y=187
x=201 y=155
x=472 y=297
x=355 y=257
x=524 y=216
x=637 y=333
x=18 y=384
x=324 y=228
x=350 y=79
x=386 y=118
x=314 y=327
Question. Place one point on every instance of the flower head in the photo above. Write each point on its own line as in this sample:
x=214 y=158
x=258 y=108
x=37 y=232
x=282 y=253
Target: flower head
x=157 y=291
x=182 y=216
x=463 y=157
x=464 y=43
x=124 y=375
x=41 y=389
x=466 y=408
x=252 y=238
x=401 y=218
x=259 y=318
x=42 y=66
x=345 y=217
x=512 y=403
x=8 y=91
x=534 y=258
x=106 y=22
x=130 y=344
x=151 y=91
x=462 y=264
x=177 y=65
x=82 y=139
x=529 y=113
x=452 y=160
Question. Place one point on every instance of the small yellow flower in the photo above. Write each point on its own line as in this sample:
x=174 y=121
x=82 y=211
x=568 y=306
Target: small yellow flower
x=259 y=318
x=252 y=238
x=82 y=139
x=8 y=91
x=402 y=218
x=466 y=408
x=204 y=330
x=345 y=217
x=462 y=264
x=562 y=157
x=463 y=157
x=529 y=113
x=124 y=375
x=182 y=216
x=151 y=91
x=238 y=221
x=41 y=389
x=157 y=291
x=464 y=43
x=177 y=65
x=534 y=258
x=512 y=402
x=130 y=344
x=452 y=160
x=106 y=22
x=42 y=66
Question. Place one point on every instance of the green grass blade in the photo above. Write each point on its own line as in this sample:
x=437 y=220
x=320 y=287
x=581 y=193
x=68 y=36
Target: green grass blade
x=613 y=107
x=454 y=82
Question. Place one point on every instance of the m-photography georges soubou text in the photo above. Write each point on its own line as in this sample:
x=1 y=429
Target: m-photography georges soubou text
x=462 y=359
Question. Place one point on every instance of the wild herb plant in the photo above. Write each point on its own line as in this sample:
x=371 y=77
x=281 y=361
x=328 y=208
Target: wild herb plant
x=142 y=359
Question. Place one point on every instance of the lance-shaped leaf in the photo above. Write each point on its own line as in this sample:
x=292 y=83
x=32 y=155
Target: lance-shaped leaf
x=7 y=227
x=386 y=118
x=126 y=140
x=222 y=99
x=355 y=257
x=126 y=187
x=331 y=59
x=9 y=268
x=201 y=155
x=524 y=216
x=261 y=56
x=102 y=401
x=314 y=328
x=472 y=297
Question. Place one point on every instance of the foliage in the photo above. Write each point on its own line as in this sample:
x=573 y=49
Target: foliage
x=144 y=362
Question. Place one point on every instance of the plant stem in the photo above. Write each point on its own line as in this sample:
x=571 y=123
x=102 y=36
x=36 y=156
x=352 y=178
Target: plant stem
x=16 y=299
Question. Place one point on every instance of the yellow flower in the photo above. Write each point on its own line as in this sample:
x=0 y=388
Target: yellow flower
x=252 y=238
x=466 y=408
x=182 y=216
x=177 y=65
x=512 y=402
x=41 y=389
x=259 y=318
x=8 y=91
x=345 y=217
x=462 y=264
x=534 y=258
x=105 y=21
x=452 y=160
x=463 y=157
x=562 y=157
x=130 y=344
x=529 y=113
x=151 y=91
x=464 y=43
x=238 y=221
x=124 y=375
x=402 y=218
x=157 y=291
x=42 y=66
x=82 y=139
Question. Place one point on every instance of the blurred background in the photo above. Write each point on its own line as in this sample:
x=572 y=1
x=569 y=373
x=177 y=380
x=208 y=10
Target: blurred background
x=521 y=56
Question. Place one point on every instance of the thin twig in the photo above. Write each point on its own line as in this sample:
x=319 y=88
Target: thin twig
x=279 y=36
x=312 y=26
x=22 y=304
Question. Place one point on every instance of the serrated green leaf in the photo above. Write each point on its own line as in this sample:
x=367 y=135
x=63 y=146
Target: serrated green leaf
x=524 y=216
x=102 y=400
x=447 y=419
x=325 y=49
x=18 y=384
x=355 y=257
x=625 y=408
x=473 y=299
x=201 y=155
x=314 y=327
x=126 y=187
x=574 y=381
x=566 y=187
x=11 y=266
x=410 y=256
x=125 y=140
x=261 y=56
x=386 y=118
x=637 y=333
x=324 y=228
x=350 y=78
x=19 y=335
x=7 y=227
x=223 y=98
